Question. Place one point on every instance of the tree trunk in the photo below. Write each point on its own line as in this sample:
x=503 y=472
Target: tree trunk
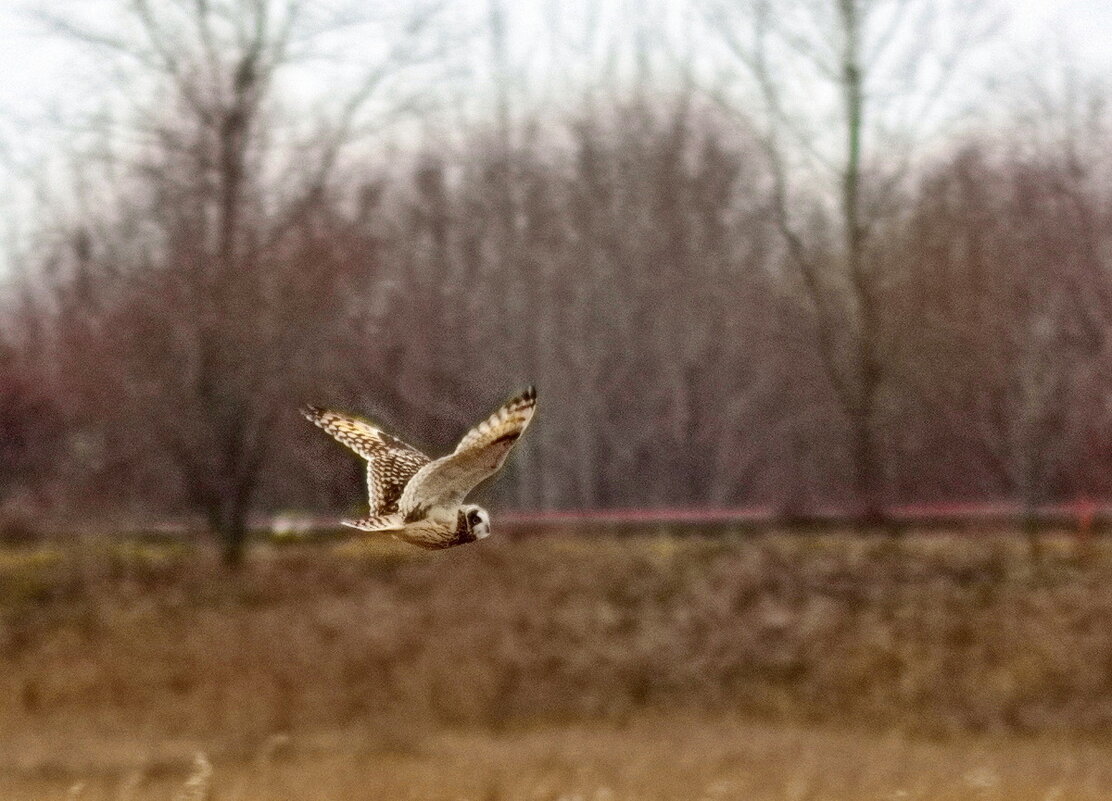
x=1032 y=535
x=235 y=541
x=228 y=521
x=868 y=497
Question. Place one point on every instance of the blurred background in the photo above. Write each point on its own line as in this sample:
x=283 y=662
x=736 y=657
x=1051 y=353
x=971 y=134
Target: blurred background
x=817 y=297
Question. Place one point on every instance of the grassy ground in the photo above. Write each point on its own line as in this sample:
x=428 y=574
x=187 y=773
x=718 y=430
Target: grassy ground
x=654 y=758
x=780 y=667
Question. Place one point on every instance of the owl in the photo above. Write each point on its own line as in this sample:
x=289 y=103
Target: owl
x=420 y=500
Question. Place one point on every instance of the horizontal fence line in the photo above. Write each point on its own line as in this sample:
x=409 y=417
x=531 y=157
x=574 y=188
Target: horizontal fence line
x=1080 y=515
x=909 y=514
x=1071 y=514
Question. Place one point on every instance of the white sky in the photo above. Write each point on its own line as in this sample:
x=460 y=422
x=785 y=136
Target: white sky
x=42 y=73
x=1086 y=25
x=39 y=70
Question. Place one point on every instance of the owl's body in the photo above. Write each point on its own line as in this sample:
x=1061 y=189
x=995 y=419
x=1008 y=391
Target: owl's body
x=418 y=499
x=444 y=528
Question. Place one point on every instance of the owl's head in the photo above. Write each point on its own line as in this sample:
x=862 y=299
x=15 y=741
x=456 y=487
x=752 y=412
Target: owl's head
x=476 y=520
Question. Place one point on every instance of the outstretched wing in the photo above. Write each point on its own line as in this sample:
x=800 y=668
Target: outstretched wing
x=391 y=463
x=391 y=522
x=480 y=454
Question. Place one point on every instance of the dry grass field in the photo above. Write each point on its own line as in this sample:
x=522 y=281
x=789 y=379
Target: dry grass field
x=781 y=666
x=658 y=758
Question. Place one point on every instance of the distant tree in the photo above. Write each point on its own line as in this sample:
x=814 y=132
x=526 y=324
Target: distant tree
x=996 y=349
x=29 y=424
x=1065 y=117
x=217 y=291
x=842 y=94
x=664 y=319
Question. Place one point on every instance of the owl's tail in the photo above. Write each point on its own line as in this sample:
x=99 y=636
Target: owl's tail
x=378 y=523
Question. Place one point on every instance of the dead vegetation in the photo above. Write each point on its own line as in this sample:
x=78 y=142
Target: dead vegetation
x=937 y=635
x=654 y=758
x=636 y=667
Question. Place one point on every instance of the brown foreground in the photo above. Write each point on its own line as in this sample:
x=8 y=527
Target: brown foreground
x=655 y=758
x=644 y=667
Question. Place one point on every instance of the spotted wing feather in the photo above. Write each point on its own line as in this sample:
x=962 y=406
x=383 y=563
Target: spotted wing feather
x=391 y=463
x=479 y=455
x=391 y=522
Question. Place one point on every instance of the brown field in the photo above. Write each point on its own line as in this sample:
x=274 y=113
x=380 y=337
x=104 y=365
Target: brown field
x=645 y=667
x=657 y=758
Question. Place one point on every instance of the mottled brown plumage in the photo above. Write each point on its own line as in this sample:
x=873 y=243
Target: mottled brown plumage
x=390 y=462
x=420 y=500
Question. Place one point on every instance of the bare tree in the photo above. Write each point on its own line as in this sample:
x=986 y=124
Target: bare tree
x=221 y=304
x=29 y=424
x=1066 y=120
x=996 y=350
x=842 y=93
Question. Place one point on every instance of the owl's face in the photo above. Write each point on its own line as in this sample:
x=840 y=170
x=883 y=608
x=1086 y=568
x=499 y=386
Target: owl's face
x=477 y=521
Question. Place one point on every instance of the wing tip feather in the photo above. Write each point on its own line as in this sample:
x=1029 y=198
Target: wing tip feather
x=522 y=400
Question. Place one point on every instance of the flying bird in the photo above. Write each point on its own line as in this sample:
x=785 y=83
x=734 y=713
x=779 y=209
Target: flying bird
x=420 y=500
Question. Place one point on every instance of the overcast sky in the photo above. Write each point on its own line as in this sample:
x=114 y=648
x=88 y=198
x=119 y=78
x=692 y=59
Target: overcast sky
x=38 y=69
x=42 y=72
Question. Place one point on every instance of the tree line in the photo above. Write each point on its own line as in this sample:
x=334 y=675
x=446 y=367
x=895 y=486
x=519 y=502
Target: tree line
x=722 y=301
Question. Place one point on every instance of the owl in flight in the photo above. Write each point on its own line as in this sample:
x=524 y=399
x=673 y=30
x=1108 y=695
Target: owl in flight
x=420 y=500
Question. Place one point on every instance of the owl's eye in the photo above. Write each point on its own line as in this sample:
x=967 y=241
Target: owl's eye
x=473 y=517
